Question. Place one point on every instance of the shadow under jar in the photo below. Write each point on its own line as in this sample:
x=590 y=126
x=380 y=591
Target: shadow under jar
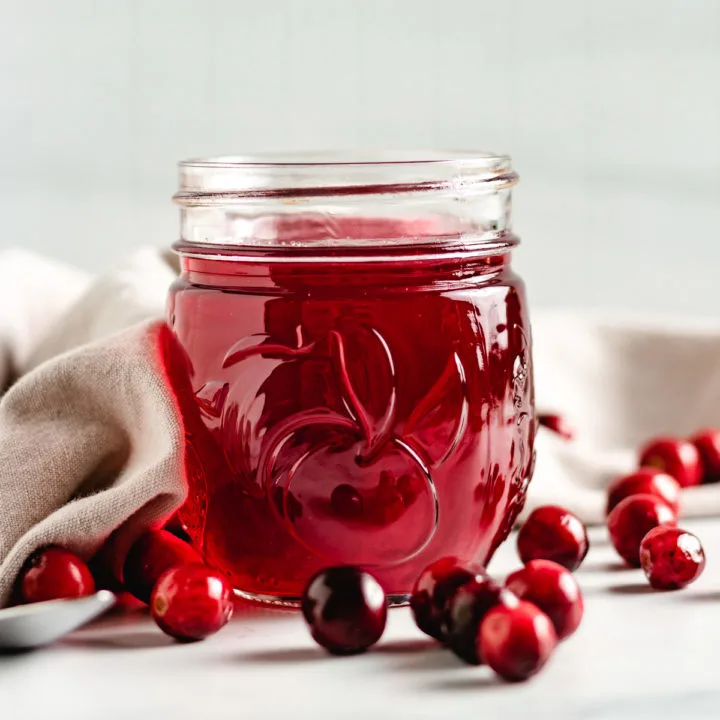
x=350 y=351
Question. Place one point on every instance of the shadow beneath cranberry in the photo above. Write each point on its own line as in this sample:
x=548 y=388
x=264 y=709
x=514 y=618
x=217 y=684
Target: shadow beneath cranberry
x=120 y=617
x=634 y=589
x=428 y=658
x=120 y=641
x=405 y=647
x=479 y=682
x=289 y=655
x=15 y=652
x=710 y=596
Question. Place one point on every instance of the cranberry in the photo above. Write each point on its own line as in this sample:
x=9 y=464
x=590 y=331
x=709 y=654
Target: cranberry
x=554 y=590
x=54 y=573
x=346 y=610
x=466 y=609
x=632 y=519
x=190 y=602
x=676 y=457
x=707 y=443
x=517 y=641
x=346 y=501
x=150 y=556
x=646 y=481
x=558 y=424
x=553 y=533
x=389 y=509
x=386 y=487
x=671 y=558
x=433 y=589
x=410 y=486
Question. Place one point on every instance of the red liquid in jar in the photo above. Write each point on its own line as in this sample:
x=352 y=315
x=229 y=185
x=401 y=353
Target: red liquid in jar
x=369 y=413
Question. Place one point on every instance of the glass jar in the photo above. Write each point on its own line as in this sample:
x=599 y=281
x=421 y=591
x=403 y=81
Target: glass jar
x=351 y=354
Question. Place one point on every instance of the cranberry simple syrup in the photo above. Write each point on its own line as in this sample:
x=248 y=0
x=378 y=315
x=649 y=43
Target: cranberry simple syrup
x=350 y=404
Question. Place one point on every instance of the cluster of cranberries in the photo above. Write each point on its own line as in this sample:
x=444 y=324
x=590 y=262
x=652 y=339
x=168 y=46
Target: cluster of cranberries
x=514 y=628
x=643 y=508
x=188 y=600
x=382 y=504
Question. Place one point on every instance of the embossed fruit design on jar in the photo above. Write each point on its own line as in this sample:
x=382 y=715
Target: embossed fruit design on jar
x=351 y=355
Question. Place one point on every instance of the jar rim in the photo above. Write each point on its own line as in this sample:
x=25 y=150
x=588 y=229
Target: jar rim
x=351 y=157
x=206 y=179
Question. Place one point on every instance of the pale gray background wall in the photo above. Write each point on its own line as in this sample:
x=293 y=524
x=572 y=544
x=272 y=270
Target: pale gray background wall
x=611 y=110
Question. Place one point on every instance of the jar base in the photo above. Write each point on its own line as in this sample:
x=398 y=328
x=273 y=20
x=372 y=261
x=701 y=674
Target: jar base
x=293 y=601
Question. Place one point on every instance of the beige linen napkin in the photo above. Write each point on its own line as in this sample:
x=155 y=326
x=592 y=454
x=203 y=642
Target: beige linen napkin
x=90 y=440
x=619 y=381
x=91 y=444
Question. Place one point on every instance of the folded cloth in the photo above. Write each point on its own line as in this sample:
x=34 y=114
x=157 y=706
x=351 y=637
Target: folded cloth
x=619 y=382
x=91 y=444
x=90 y=440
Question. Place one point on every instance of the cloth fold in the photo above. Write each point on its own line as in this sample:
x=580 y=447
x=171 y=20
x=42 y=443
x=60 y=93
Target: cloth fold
x=619 y=381
x=91 y=444
x=90 y=440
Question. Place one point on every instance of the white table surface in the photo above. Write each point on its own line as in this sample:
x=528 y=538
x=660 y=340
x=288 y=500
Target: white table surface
x=638 y=654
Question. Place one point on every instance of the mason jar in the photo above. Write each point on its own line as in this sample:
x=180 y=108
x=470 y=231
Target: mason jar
x=351 y=354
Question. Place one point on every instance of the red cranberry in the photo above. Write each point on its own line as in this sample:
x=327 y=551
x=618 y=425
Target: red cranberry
x=389 y=509
x=554 y=590
x=466 y=609
x=386 y=487
x=410 y=486
x=632 y=519
x=150 y=556
x=676 y=457
x=346 y=610
x=517 y=641
x=707 y=443
x=553 y=533
x=346 y=501
x=433 y=589
x=54 y=573
x=190 y=602
x=646 y=481
x=556 y=423
x=671 y=558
